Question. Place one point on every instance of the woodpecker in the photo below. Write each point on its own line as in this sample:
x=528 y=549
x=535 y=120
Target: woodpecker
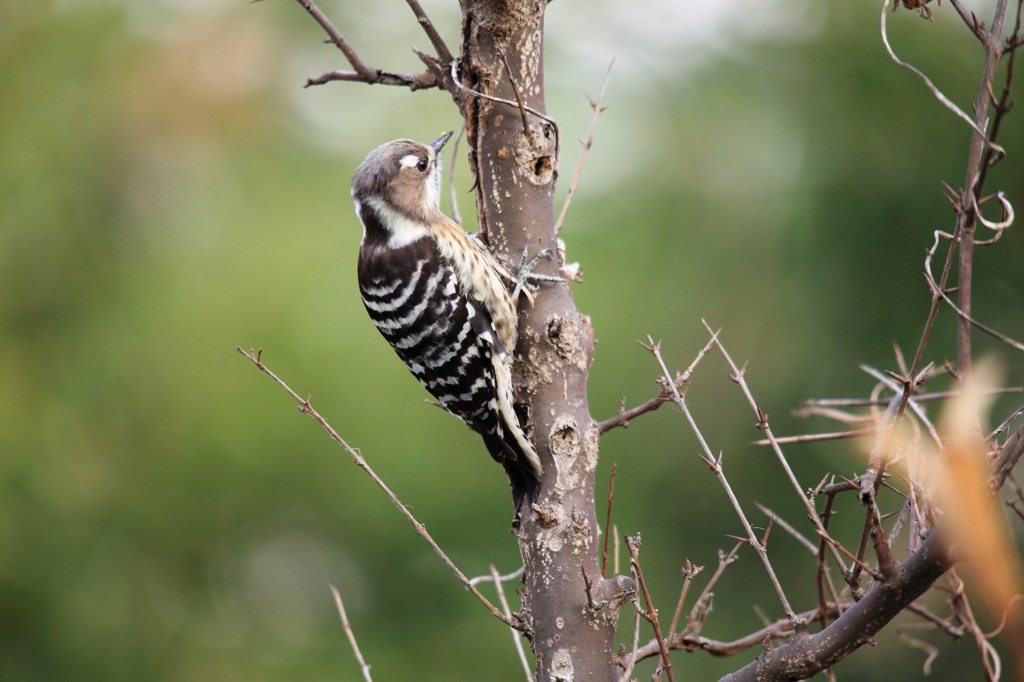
x=440 y=298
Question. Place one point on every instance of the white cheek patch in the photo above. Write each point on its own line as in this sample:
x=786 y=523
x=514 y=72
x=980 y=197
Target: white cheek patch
x=409 y=160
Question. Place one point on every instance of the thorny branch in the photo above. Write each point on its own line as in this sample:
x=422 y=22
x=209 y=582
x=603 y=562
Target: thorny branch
x=715 y=464
x=587 y=144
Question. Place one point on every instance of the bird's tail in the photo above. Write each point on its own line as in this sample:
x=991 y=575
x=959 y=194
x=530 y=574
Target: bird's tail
x=521 y=475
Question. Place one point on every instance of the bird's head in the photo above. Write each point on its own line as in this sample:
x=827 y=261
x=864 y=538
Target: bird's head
x=401 y=178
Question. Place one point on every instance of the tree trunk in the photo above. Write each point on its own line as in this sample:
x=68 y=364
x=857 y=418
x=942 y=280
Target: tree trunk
x=515 y=166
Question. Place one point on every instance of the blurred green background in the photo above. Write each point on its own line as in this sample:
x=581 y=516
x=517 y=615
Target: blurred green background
x=169 y=191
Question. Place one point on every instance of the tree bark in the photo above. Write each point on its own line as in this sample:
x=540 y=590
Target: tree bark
x=514 y=163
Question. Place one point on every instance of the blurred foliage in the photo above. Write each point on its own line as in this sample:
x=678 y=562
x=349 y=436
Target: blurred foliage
x=168 y=191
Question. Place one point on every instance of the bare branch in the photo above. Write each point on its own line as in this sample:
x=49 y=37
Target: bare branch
x=817 y=437
x=443 y=53
x=304 y=406
x=806 y=655
x=788 y=527
x=652 y=615
x=946 y=102
x=625 y=416
x=361 y=72
x=941 y=293
x=715 y=464
x=516 y=639
x=413 y=81
x=350 y=634
x=598 y=109
x=762 y=424
x=608 y=521
x=502 y=100
x=689 y=573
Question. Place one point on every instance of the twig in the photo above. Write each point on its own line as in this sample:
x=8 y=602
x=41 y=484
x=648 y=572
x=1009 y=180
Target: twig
x=689 y=573
x=508 y=614
x=361 y=72
x=608 y=521
x=946 y=102
x=715 y=464
x=596 y=106
x=506 y=102
x=940 y=292
x=625 y=416
x=652 y=614
x=897 y=385
x=919 y=397
x=954 y=631
x=762 y=424
x=519 y=96
x=780 y=629
x=1005 y=425
x=966 y=220
x=788 y=527
x=304 y=406
x=931 y=650
x=350 y=633
x=724 y=560
x=508 y=577
x=365 y=72
x=443 y=53
x=628 y=668
x=413 y=81
x=817 y=437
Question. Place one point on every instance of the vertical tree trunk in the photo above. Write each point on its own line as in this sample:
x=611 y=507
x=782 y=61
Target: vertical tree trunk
x=515 y=168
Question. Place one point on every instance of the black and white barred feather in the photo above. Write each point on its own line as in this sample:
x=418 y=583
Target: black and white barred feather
x=439 y=297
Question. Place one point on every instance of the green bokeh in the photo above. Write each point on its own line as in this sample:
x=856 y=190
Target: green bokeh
x=168 y=191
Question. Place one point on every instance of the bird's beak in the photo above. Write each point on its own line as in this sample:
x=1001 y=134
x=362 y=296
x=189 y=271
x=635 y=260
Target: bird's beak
x=439 y=142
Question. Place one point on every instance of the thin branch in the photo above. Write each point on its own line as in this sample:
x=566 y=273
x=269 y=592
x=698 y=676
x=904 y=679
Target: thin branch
x=628 y=667
x=608 y=521
x=814 y=404
x=941 y=293
x=860 y=621
x=519 y=96
x=946 y=102
x=350 y=633
x=954 y=631
x=782 y=628
x=652 y=614
x=413 y=81
x=724 y=560
x=361 y=73
x=443 y=53
x=1005 y=425
x=762 y=424
x=788 y=527
x=931 y=650
x=502 y=100
x=689 y=573
x=598 y=109
x=304 y=406
x=818 y=437
x=508 y=577
x=715 y=464
x=498 y=587
x=624 y=416
x=365 y=72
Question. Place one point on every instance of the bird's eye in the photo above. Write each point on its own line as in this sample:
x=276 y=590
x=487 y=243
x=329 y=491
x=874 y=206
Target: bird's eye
x=422 y=164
